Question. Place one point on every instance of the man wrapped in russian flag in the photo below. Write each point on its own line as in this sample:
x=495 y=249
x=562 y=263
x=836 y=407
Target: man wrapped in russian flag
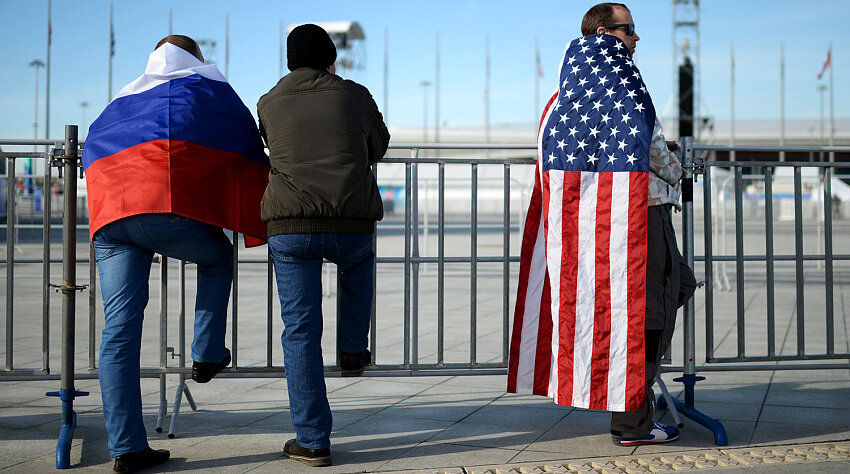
x=173 y=160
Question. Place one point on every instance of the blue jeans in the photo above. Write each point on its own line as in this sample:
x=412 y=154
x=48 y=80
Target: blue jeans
x=124 y=251
x=298 y=269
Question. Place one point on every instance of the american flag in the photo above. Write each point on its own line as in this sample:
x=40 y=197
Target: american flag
x=578 y=334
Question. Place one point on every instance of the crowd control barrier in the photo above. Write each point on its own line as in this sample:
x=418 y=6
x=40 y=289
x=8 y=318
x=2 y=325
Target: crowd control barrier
x=446 y=266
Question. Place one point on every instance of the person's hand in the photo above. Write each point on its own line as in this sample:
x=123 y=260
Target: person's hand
x=673 y=146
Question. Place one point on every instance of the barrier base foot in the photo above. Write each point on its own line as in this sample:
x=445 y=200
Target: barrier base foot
x=689 y=411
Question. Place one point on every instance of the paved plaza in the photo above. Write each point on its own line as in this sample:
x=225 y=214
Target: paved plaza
x=776 y=420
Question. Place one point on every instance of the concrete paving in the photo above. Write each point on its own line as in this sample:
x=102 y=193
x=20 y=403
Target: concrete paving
x=776 y=420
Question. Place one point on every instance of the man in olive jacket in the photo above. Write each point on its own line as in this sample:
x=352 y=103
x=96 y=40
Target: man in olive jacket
x=322 y=202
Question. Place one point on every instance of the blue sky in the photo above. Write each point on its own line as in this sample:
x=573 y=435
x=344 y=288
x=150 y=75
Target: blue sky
x=81 y=30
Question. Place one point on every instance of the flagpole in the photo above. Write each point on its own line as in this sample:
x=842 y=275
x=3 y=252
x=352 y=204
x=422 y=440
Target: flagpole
x=831 y=103
x=782 y=99
x=487 y=89
x=732 y=98
x=386 y=79
x=111 y=53
x=437 y=93
x=536 y=83
x=47 y=78
x=280 y=51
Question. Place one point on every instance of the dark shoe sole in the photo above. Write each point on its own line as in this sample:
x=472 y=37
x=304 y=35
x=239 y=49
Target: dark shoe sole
x=317 y=460
x=312 y=462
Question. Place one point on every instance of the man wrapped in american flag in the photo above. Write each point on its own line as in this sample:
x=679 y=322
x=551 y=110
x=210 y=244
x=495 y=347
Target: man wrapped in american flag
x=601 y=276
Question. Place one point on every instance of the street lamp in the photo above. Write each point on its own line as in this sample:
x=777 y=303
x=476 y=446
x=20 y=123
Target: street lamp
x=425 y=85
x=36 y=63
x=83 y=106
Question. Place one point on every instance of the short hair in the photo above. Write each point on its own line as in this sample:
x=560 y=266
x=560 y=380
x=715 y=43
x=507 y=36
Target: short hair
x=599 y=15
x=183 y=42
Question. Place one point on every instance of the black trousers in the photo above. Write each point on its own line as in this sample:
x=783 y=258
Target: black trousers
x=669 y=284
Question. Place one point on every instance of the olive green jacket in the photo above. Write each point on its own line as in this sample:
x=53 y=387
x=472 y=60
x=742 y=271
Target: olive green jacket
x=323 y=134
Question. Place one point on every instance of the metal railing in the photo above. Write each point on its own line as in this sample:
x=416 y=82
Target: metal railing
x=430 y=272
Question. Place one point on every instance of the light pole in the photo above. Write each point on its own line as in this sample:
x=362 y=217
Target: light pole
x=821 y=89
x=425 y=85
x=36 y=63
x=83 y=106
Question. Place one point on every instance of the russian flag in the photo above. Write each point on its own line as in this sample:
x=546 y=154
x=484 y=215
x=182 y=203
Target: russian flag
x=177 y=139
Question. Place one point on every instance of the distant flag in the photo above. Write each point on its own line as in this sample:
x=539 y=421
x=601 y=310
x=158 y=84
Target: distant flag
x=827 y=62
x=578 y=333
x=111 y=38
x=177 y=139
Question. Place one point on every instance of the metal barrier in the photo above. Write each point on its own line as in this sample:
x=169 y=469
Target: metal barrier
x=430 y=272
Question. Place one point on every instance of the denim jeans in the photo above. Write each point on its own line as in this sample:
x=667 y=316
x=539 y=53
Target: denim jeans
x=298 y=269
x=124 y=251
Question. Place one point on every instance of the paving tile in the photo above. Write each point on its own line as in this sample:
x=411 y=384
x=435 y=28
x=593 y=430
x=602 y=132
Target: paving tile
x=784 y=433
x=486 y=436
x=808 y=418
x=442 y=455
x=440 y=406
x=833 y=394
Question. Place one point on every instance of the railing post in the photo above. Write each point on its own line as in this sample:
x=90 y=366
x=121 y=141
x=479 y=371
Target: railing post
x=67 y=393
x=689 y=377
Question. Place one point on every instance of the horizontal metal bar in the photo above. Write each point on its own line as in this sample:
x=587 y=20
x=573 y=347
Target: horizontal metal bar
x=762 y=258
x=723 y=360
x=463 y=146
x=31 y=141
x=776 y=164
x=463 y=161
x=753 y=368
x=22 y=154
x=772 y=149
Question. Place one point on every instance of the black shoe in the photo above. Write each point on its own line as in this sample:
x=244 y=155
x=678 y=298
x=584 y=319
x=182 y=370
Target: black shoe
x=353 y=363
x=134 y=462
x=310 y=457
x=203 y=372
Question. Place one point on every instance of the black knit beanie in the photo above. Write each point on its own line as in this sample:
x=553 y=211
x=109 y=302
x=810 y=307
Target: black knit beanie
x=309 y=46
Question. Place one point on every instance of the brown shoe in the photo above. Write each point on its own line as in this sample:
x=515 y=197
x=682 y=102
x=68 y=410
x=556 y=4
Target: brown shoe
x=310 y=457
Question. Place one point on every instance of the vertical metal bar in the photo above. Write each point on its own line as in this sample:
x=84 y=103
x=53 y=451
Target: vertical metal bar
x=473 y=270
x=414 y=289
x=739 y=257
x=163 y=339
x=408 y=208
x=10 y=261
x=688 y=246
x=69 y=271
x=798 y=241
x=506 y=262
x=373 y=312
x=163 y=310
x=181 y=315
x=235 y=307
x=45 y=268
x=441 y=261
x=827 y=231
x=92 y=307
x=708 y=224
x=769 y=261
x=269 y=310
